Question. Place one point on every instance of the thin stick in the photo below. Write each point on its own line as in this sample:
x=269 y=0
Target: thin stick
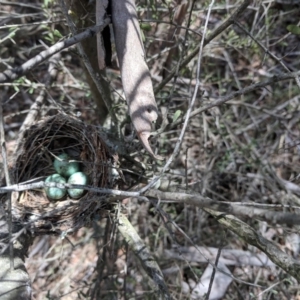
x=215 y=33
x=250 y=236
x=8 y=182
x=96 y=78
x=189 y=111
x=248 y=89
x=148 y=262
x=273 y=56
x=15 y=73
x=40 y=100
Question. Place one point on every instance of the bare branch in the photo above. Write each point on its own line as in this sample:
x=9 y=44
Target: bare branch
x=8 y=182
x=15 y=73
x=215 y=33
x=248 y=89
x=272 y=217
x=190 y=108
x=250 y=236
x=142 y=252
x=40 y=100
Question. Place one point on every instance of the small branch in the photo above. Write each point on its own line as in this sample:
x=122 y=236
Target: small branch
x=272 y=217
x=248 y=89
x=97 y=79
x=215 y=33
x=250 y=236
x=41 y=184
x=273 y=56
x=142 y=252
x=190 y=108
x=12 y=74
x=8 y=182
x=40 y=100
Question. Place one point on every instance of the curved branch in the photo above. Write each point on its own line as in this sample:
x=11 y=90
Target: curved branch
x=215 y=33
x=15 y=73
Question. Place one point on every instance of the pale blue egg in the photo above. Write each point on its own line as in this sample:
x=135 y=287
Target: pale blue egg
x=77 y=178
x=54 y=192
x=65 y=168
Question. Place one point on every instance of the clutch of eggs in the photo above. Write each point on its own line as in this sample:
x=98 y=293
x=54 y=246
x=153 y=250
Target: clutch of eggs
x=66 y=168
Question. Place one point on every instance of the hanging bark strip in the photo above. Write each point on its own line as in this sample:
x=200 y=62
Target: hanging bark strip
x=135 y=74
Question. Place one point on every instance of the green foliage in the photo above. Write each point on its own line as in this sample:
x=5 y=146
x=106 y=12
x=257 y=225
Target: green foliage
x=176 y=115
x=53 y=35
x=294 y=29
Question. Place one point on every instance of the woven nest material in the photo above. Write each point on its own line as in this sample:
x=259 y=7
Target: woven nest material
x=42 y=142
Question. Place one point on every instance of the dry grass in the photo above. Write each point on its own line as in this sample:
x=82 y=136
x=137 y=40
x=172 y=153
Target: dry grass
x=238 y=152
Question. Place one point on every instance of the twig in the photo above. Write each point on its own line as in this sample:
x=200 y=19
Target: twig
x=215 y=33
x=29 y=24
x=142 y=252
x=213 y=274
x=272 y=217
x=41 y=184
x=250 y=236
x=94 y=76
x=15 y=73
x=247 y=211
x=266 y=50
x=248 y=89
x=8 y=182
x=189 y=111
x=37 y=105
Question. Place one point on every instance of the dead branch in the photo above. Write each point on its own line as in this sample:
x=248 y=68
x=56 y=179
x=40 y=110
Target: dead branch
x=248 y=89
x=250 y=236
x=15 y=73
x=210 y=37
x=98 y=79
x=142 y=252
x=38 y=103
x=190 y=108
x=272 y=217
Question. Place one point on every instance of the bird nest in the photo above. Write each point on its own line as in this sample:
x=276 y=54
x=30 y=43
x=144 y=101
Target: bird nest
x=43 y=142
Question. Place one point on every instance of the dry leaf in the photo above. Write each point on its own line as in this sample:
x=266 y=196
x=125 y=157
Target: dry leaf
x=135 y=74
x=101 y=6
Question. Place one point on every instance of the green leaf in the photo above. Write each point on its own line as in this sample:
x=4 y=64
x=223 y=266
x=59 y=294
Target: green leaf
x=294 y=29
x=176 y=115
x=143 y=36
x=57 y=33
x=16 y=88
x=145 y=26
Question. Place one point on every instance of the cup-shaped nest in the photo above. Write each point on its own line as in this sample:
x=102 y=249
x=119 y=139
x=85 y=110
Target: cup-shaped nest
x=43 y=142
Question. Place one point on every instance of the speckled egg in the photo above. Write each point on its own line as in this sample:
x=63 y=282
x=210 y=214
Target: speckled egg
x=77 y=178
x=65 y=168
x=53 y=192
